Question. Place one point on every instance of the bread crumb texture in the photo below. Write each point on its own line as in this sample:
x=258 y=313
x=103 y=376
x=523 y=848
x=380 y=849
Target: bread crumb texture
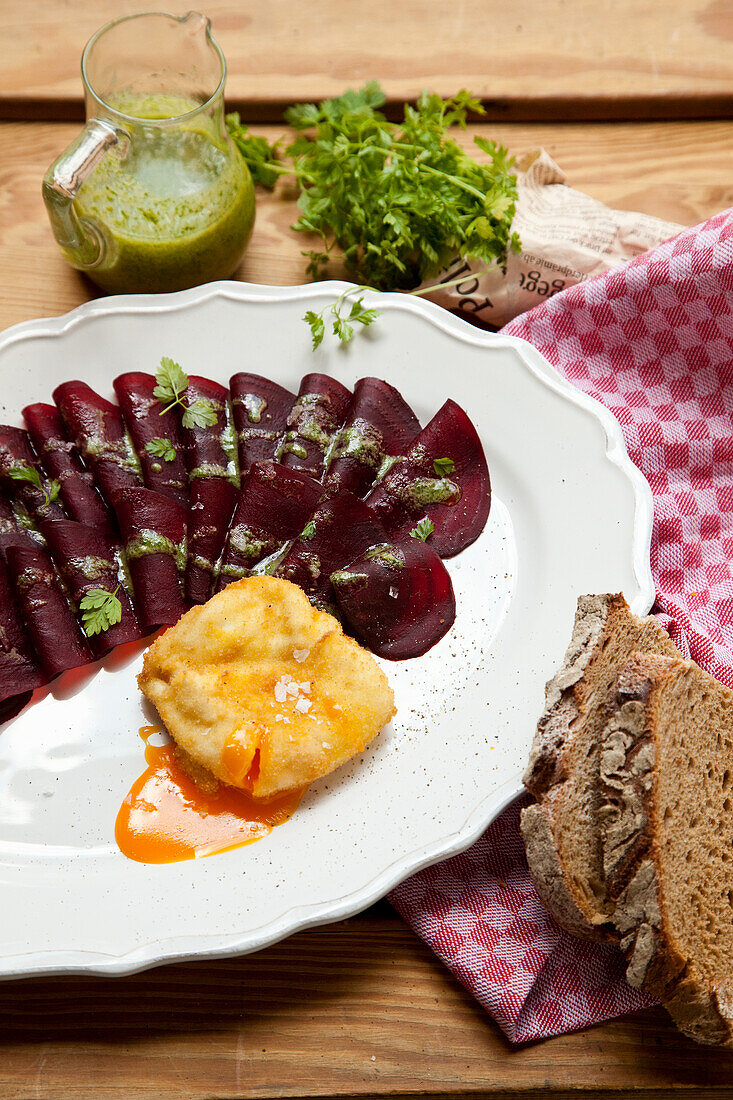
x=667 y=831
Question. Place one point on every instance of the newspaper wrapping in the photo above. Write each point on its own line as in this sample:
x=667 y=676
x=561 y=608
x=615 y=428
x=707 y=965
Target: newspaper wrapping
x=566 y=237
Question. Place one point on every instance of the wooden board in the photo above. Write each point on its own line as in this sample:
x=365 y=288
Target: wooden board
x=528 y=60
x=680 y=171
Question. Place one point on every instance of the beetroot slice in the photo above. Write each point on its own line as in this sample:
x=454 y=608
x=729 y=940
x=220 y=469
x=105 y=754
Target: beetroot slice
x=211 y=455
x=14 y=705
x=61 y=461
x=314 y=419
x=260 y=408
x=273 y=508
x=19 y=672
x=213 y=501
x=85 y=559
x=96 y=426
x=16 y=452
x=379 y=424
x=340 y=529
x=146 y=421
x=51 y=624
x=398 y=598
x=154 y=532
x=407 y=492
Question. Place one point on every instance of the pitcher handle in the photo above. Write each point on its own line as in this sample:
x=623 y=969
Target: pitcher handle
x=81 y=240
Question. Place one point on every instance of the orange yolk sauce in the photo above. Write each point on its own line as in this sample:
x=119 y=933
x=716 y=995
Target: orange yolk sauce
x=167 y=818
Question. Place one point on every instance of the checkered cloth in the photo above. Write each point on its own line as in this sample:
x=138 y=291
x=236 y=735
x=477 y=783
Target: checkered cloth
x=653 y=342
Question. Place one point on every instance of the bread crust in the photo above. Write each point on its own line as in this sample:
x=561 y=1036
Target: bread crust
x=547 y=771
x=632 y=857
x=704 y=1014
x=582 y=685
x=547 y=873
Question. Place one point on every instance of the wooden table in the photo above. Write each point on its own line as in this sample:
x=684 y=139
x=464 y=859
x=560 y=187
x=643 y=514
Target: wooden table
x=634 y=100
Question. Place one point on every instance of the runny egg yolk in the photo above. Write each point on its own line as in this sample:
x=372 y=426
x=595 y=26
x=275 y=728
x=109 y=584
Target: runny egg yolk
x=167 y=818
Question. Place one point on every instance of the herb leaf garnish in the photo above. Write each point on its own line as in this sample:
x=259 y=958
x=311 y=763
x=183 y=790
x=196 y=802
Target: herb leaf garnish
x=161 y=448
x=317 y=326
x=443 y=466
x=172 y=383
x=423 y=530
x=343 y=325
x=309 y=530
x=31 y=475
x=100 y=610
x=200 y=414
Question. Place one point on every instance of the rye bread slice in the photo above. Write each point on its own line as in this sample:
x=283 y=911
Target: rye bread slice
x=561 y=831
x=666 y=778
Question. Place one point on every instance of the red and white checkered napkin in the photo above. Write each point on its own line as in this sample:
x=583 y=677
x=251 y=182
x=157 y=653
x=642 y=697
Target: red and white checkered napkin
x=652 y=341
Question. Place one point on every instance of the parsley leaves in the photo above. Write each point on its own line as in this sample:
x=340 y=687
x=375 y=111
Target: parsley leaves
x=257 y=153
x=309 y=530
x=28 y=473
x=100 y=610
x=443 y=466
x=423 y=530
x=161 y=448
x=172 y=383
x=399 y=200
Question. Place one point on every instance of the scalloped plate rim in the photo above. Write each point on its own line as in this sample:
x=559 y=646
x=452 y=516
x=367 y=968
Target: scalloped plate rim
x=166 y=951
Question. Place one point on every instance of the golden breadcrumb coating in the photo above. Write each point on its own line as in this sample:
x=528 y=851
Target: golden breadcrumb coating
x=263 y=690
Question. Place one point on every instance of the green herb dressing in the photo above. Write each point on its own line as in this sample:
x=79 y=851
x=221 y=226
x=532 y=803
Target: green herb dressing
x=210 y=469
x=152 y=542
x=361 y=441
x=352 y=580
x=422 y=491
x=242 y=539
x=90 y=567
x=387 y=555
x=176 y=206
x=253 y=405
x=290 y=446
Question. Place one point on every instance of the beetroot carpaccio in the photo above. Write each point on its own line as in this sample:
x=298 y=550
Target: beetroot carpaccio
x=159 y=501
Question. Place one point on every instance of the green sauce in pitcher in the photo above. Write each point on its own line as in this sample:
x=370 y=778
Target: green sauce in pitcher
x=159 y=199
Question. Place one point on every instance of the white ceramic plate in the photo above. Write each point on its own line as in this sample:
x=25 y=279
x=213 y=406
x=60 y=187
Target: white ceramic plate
x=570 y=514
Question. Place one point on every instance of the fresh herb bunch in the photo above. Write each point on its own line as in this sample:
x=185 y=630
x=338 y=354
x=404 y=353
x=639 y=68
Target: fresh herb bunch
x=401 y=201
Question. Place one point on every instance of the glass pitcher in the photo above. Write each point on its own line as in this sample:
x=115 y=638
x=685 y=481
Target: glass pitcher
x=153 y=194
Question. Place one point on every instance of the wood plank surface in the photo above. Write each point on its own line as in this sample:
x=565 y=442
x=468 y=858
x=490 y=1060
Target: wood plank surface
x=361 y=1008
x=358 y=1009
x=680 y=171
x=528 y=60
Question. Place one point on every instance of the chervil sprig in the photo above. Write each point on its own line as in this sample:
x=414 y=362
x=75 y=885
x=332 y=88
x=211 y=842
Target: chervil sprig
x=443 y=466
x=343 y=326
x=171 y=385
x=31 y=475
x=161 y=448
x=423 y=530
x=100 y=610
